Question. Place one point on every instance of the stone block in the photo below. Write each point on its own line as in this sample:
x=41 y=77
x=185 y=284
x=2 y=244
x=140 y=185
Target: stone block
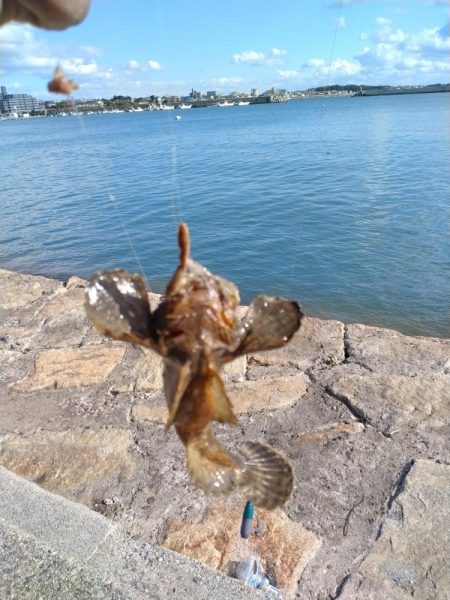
x=267 y=394
x=80 y=465
x=18 y=290
x=72 y=367
x=410 y=558
x=388 y=351
x=285 y=547
x=315 y=342
x=390 y=401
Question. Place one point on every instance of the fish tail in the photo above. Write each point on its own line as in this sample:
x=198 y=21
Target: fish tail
x=259 y=471
x=210 y=464
x=266 y=476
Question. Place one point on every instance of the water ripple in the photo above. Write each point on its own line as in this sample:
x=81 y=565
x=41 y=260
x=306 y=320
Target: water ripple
x=343 y=207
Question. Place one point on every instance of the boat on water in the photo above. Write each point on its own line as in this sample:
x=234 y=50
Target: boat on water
x=178 y=118
x=185 y=106
x=242 y=103
x=11 y=115
x=222 y=104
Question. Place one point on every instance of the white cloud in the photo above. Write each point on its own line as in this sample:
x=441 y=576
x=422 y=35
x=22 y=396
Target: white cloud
x=226 y=81
x=277 y=52
x=339 y=67
x=382 y=21
x=108 y=75
x=249 y=56
x=91 y=50
x=154 y=66
x=254 y=58
x=134 y=65
x=289 y=74
x=22 y=52
x=341 y=3
x=395 y=56
x=78 y=66
x=23 y=55
x=341 y=23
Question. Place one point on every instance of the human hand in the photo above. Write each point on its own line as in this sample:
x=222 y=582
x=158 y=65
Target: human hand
x=48 y=14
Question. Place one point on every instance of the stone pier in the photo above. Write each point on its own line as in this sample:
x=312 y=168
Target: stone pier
x=362 y=412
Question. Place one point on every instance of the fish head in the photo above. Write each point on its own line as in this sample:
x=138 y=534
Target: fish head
x=198 y=313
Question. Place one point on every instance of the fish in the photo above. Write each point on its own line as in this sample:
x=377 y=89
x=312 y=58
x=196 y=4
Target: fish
x=196 y=329
x=60 y=84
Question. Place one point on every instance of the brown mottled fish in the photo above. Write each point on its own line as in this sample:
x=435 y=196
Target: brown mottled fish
x=60 y=84
x=196 y=330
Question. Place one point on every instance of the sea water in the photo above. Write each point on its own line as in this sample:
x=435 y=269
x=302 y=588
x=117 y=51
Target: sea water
x=340 y=203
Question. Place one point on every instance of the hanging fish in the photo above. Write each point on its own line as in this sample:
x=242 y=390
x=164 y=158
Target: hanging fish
x=196 y=330
x=60 y=84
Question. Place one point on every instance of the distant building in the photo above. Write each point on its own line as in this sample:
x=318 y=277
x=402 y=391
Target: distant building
x=195 y=95
x=254 y=92
x=20 y=103
x=211 y=94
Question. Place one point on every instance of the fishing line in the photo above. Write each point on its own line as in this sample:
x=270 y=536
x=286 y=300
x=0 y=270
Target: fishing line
x=110 y=195
x=175 y=195
x=320 y=123
x=248 y=513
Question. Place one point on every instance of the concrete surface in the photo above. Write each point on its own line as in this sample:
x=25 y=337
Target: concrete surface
x=52 y=548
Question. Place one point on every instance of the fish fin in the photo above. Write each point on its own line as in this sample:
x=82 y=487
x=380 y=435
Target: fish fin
x=260 y=472
x=184 y=244
x=175 y=384
x=266 y=478
x=270 y=322
x=218 y=400
x=210 y=465
x=117 y=304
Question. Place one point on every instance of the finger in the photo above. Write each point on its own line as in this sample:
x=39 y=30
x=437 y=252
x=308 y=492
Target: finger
x=47 y=14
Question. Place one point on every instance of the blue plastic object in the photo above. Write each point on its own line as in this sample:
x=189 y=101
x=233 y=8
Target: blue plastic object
x=247 y=517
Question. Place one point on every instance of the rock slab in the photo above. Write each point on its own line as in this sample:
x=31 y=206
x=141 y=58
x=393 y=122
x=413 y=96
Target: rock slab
x=411 y=557
x=285 y=547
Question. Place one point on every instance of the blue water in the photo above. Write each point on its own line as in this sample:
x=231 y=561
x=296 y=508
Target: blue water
x=340 y=203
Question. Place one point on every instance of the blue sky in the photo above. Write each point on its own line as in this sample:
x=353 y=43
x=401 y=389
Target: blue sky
x=142 y=47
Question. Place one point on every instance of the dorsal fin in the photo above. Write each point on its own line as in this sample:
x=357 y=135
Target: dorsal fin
x=184 y=244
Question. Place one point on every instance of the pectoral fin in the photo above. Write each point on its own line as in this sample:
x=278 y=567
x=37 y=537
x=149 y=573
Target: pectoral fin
x=117 y=304
x=269 y=323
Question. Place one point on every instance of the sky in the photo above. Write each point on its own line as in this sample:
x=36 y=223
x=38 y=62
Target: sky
x=144 y=47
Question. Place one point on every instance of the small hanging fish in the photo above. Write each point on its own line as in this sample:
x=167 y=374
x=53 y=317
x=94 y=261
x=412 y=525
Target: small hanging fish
x=196 y=330
x=60 y=84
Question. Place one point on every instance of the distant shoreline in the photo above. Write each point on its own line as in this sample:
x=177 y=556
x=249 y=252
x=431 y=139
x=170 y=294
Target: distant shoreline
x=400 y=92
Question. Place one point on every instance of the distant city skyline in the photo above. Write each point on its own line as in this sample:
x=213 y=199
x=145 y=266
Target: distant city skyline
x=143 y=47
